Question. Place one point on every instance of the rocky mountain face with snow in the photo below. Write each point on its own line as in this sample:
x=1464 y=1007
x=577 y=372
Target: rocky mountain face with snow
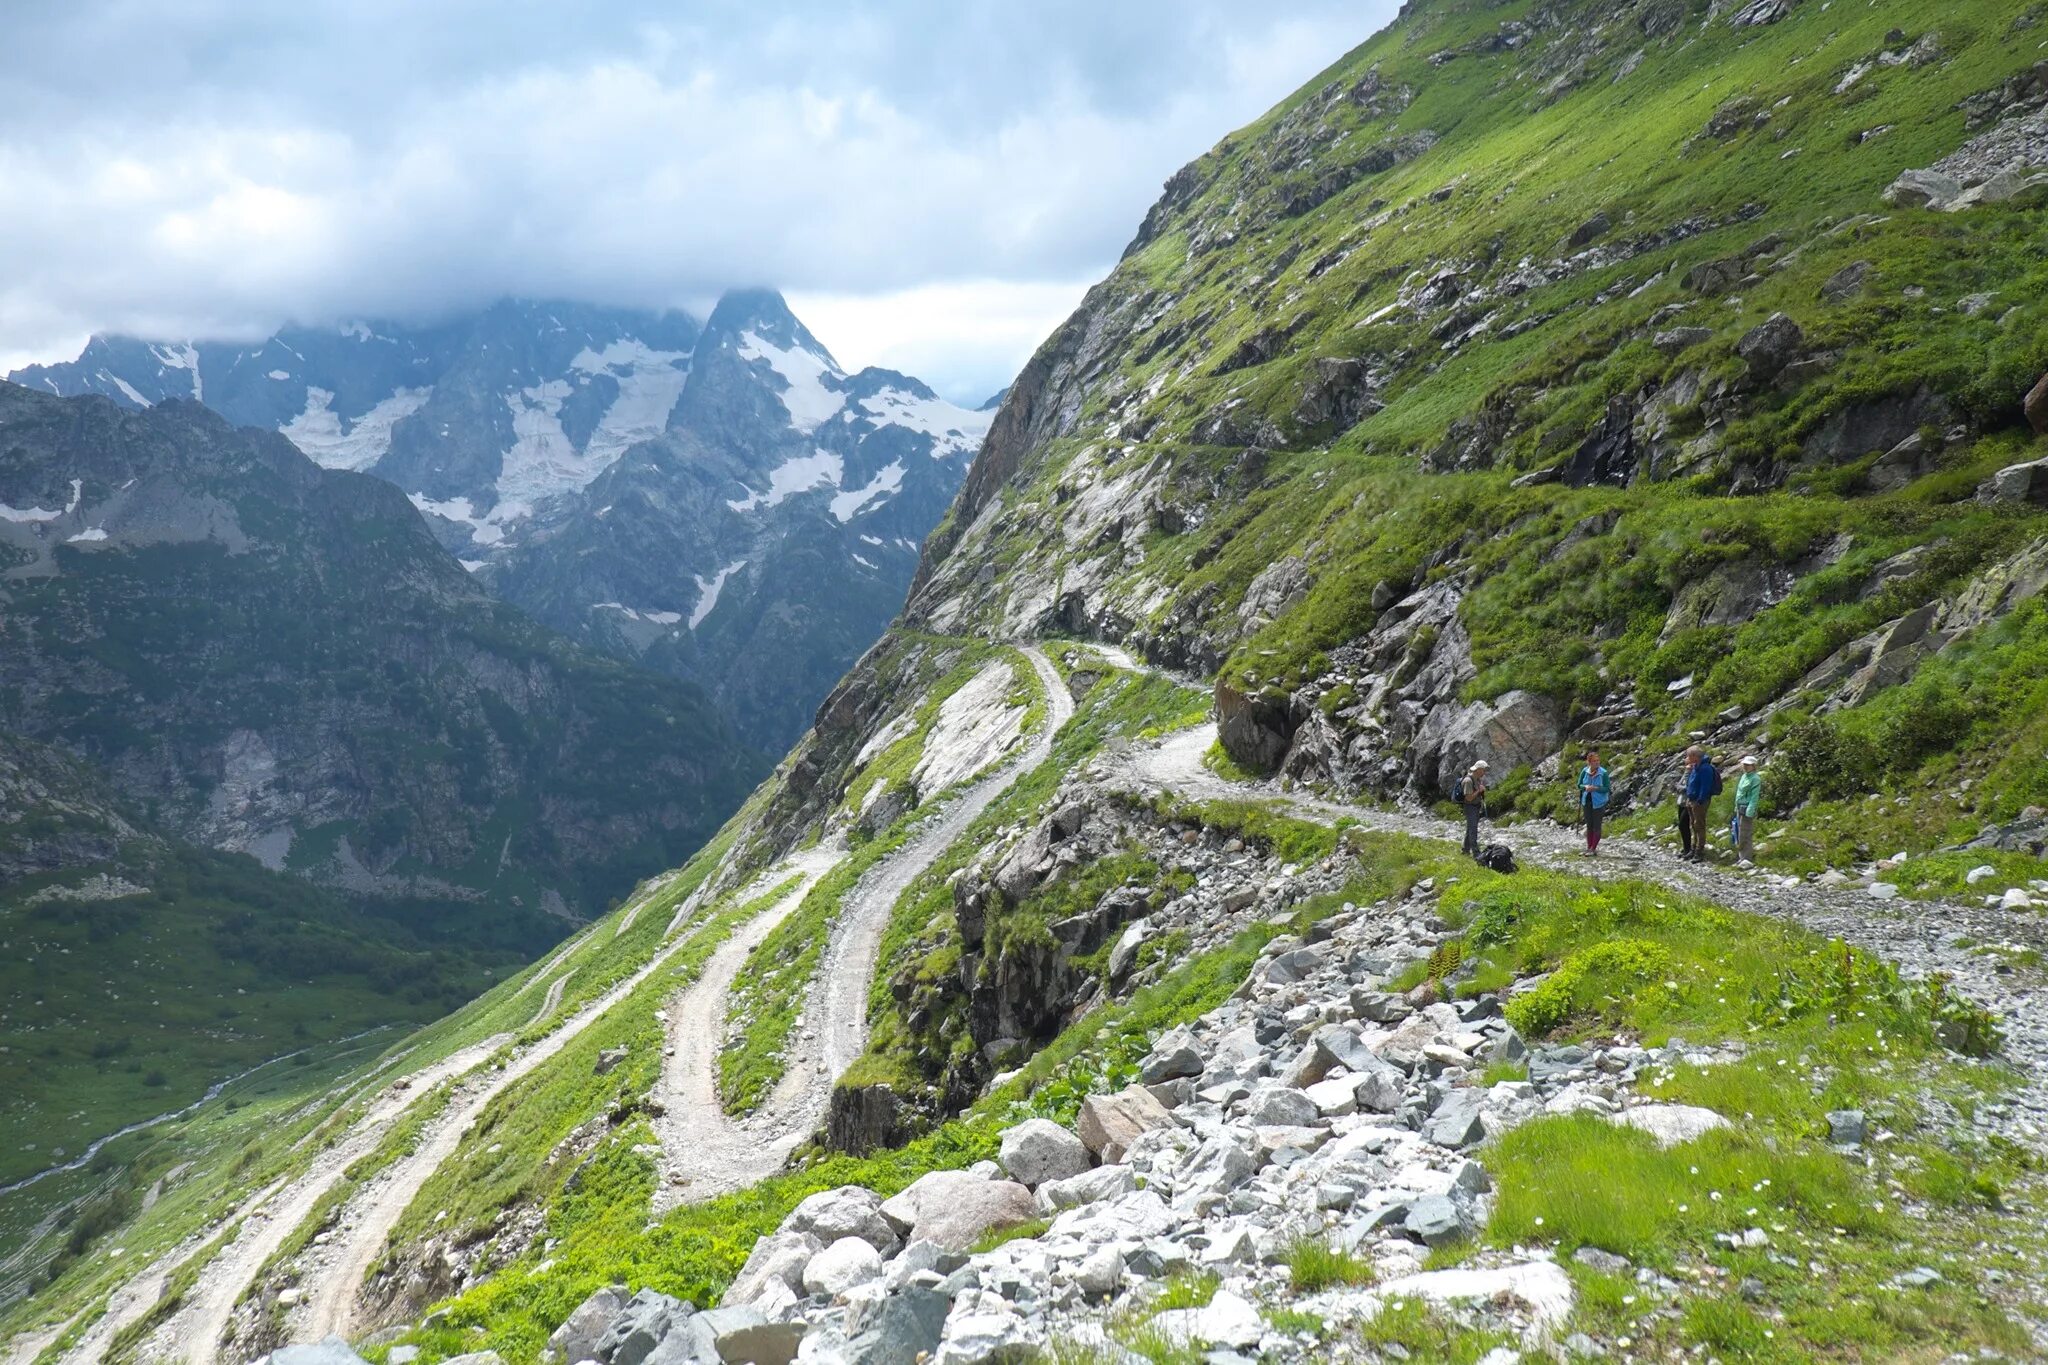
x=274 y=658
x=719 y=502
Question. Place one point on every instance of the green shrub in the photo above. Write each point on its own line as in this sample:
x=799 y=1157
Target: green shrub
x=1604 y=968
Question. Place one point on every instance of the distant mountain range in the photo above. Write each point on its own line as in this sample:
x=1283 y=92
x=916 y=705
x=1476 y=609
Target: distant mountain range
x=720 y=501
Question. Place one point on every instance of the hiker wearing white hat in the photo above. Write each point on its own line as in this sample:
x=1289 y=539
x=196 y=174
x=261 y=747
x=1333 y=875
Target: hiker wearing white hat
x=1749 y=794
x=1470 y=793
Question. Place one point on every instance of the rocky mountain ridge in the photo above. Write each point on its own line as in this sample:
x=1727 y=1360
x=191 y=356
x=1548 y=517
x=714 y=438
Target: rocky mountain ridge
x=278 y=659
x=718 y=501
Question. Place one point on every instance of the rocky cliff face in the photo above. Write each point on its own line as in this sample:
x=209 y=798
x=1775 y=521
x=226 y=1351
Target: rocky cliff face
x=720 y=502
x=766 y=537
x=278 y=659
x=1431 y=447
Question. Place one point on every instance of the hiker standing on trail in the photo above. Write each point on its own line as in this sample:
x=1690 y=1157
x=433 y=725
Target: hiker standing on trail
x=1594 y=789
x=1749 y=794
x=1685 y=815
x=1702 y=783
x=1470 y=792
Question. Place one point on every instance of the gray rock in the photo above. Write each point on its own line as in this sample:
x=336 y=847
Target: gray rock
x=778 y=1259
x=1846 y=283
x=1922 y=189
x=1676 y=339
x=1175 y=1054
x=1109 y=1124
x=609 y=1059
x=849 y=1211
x=1280 y=1106
x=954 y=1209
x=330 y=1351
x=1038 y=1150
x=1217 y=1167
x=1671 y=1124
x=1847 y=1128
x=1456 y=1122
x=1769 y=346
x=475 y=1358
x=576 y=1339
x=1330 y=1047
x=847 y=1263
x=1436 y=1220
x=1100 y=1272
x=1090 y=1187
x=640 y=1327
x=906 y=1328
x=2017 y=483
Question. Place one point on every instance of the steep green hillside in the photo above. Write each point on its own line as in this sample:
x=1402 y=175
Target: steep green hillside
x=1443 y=413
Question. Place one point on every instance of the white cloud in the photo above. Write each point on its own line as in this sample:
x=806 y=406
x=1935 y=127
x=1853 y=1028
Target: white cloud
x=221 y=167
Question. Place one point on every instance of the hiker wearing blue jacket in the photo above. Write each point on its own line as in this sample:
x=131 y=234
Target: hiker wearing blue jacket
x=1702 y=784
x=1594 y=789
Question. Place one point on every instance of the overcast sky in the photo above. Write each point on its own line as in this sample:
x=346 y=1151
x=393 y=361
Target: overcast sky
x=932 y=182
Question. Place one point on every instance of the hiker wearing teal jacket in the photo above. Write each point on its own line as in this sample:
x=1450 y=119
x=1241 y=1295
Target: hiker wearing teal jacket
x=1749 y=794
x=1594 y=789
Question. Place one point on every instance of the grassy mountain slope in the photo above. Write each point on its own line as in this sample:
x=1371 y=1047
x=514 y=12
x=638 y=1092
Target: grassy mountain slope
x=1359 y=435
x=1467 y=315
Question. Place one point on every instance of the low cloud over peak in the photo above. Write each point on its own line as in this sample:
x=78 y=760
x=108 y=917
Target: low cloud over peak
x=221 y=167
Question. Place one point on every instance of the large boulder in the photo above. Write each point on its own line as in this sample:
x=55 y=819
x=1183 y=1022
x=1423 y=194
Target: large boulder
x=849 y=1211
x=1089 y=1187
x=956 y=1208
x=1255 y=729
x=1917 y=189
x=2035 y=405
x=1875 y=424
x=2017 y=483
x=777 y=1259
x=907 y=1327
x=1770 y=346
x=1516 y=728
x=640 y=1328
x=1038 y=1150
x=1109 y=1124
x=846 y=1264
x=576 y=1339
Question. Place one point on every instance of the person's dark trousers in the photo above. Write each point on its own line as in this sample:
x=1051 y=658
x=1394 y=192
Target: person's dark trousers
x=1685 y=825
x=1698 y=812
x=1472 y=830
x=1594 y=814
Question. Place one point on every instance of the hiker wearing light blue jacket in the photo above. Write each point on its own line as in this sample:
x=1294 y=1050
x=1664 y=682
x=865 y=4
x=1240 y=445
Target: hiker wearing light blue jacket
x=1594 y=789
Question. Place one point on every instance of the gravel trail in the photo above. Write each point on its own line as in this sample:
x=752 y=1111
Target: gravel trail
x=267 y=1219
x=1923 y=937
x=705 y=1151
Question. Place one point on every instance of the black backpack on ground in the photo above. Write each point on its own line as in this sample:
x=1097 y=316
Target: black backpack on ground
x=1497 y=858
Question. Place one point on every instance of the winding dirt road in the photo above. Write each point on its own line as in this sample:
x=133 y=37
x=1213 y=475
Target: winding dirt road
x=706 y=1152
